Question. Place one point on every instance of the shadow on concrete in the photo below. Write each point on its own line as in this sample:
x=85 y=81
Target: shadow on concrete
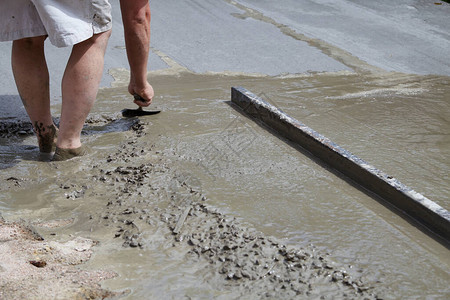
x=11 y=108
x=14 y=128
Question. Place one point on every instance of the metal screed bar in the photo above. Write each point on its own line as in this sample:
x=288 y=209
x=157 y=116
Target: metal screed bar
x=415 y=205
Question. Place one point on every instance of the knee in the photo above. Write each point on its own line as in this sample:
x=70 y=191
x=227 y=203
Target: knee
x=142 y=16
x=137 y=14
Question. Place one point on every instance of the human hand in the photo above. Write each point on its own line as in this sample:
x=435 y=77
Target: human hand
x=143 y=96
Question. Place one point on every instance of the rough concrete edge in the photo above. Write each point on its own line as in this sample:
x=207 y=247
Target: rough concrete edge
x=414 y=204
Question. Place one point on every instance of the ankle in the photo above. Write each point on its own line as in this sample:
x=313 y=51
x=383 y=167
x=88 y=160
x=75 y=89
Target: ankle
x=47 y=136
x=65 y=154
x=68 y=143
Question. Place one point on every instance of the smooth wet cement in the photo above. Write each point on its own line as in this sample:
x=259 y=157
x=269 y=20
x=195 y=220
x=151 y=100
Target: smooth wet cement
x=201 y=140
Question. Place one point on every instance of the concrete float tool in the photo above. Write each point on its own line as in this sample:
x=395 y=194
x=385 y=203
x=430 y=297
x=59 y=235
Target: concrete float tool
x=129 y=113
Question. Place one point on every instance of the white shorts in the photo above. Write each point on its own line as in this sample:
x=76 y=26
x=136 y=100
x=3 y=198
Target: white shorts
x=66 y=22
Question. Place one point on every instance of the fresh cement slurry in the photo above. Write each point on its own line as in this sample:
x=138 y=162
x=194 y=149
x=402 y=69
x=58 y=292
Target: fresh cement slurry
x=143 y=175
x=410 y=203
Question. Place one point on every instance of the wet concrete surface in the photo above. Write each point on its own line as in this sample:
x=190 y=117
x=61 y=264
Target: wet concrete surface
x=395 y=121
x=201 y=157
x=145 y=172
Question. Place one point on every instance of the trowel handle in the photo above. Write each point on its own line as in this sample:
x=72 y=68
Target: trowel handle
x=139 y=98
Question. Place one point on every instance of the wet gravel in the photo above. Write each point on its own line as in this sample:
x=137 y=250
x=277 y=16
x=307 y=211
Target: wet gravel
x=15 y=128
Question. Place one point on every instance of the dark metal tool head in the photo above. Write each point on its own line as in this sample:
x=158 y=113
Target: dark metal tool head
x=129 y=113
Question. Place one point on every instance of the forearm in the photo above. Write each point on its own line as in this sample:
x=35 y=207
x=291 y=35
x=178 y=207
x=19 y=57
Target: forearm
x=136 y=22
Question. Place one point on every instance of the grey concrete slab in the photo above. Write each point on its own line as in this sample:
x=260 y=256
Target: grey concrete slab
x=405 y=36
x=7 y=86
x=210 y=36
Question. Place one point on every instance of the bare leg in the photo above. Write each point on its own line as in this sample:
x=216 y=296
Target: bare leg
x=32 y=80
x=136 y=17
x=79 y=88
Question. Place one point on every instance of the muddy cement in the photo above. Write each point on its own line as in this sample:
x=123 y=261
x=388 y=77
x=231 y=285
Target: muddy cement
x=145 y=203
x=201 y=202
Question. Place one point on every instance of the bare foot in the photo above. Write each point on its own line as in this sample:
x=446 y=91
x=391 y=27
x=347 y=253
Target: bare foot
x=65 y=154
x=46 y=136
